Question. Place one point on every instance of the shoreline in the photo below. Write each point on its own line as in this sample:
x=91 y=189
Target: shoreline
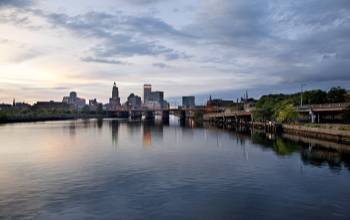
x=49 y=118
x=339 y=136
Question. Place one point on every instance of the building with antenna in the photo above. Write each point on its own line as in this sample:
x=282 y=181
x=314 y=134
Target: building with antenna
x=114 y=102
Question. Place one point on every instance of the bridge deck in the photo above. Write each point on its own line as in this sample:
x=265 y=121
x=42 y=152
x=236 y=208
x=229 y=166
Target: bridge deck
x=331 y=107
x=227 y=115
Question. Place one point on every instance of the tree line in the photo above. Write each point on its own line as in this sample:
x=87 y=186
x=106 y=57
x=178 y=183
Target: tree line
x=281 y=107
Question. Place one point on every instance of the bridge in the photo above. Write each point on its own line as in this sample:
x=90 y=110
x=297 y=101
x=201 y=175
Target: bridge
x=330 y=112
x=330 y=107
x=237 y=119
x=149 y=114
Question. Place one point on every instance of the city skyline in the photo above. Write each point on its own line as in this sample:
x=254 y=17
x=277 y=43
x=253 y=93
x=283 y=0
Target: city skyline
x=184 y=48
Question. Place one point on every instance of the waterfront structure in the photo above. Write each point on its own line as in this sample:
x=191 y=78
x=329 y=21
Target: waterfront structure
x=218 y=105
x=153 y=99
x=114 y=102
x=52 y=105
x=75 y=101
x=188 y=102
x=134 y=102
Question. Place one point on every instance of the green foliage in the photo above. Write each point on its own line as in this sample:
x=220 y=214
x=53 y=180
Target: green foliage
x=280 y=106
x=283 y=147
x=315 y=97
x=265 y=107
x=337 y=94
x=286 y=112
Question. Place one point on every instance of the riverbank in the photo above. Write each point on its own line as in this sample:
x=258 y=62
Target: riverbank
x=325 y=133
x=25 y=118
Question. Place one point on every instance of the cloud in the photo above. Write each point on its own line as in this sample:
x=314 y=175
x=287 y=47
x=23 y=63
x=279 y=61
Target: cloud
x=161 y=65
x=4 y=41
x=16 y=3
x=26 y=55
x=258 y=41
x=142 y=2
x=275 y=38
x=97 y=60
x=122 y=35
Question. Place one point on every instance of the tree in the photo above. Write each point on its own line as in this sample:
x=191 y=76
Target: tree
x=265 y=107
x=336 y=94
x=286 y=112
x=315 y=97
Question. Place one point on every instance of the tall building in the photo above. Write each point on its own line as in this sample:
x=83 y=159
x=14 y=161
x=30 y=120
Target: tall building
x=115 y=91
x=153 y=100
x=74 y=100
x=114 y=102
x=188 y=102
x=157 y=96
x=147 y=91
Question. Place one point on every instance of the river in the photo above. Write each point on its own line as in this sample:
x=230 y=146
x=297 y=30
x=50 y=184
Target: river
x=110 y=169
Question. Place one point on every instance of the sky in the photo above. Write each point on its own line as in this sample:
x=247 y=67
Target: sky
x=183 y=47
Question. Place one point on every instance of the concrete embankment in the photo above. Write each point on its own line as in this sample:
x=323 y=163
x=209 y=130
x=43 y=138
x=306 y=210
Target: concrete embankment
x=340 y=136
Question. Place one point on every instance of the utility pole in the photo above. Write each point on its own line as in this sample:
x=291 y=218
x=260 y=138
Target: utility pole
x=301 y=94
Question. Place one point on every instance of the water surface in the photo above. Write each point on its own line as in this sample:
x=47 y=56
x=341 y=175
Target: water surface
x=108 y=169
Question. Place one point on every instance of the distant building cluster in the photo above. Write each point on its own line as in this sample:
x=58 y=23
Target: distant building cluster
x=152 y=100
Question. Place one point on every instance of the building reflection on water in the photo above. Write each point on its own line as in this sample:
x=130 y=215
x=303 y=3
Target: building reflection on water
x=152 y=133
x=114 y=127
x=313 y=152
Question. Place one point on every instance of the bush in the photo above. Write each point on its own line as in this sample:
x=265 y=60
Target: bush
x=286 y=113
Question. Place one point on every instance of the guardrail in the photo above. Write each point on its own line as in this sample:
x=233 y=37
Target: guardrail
x=337 y=106
x=226 y=114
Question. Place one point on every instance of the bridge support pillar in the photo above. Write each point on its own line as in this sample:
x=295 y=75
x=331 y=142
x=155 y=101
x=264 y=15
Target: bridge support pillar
x=149 y=115
x=165 y=116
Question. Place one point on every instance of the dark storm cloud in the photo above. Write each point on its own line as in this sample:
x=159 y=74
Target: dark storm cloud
x=290 y=38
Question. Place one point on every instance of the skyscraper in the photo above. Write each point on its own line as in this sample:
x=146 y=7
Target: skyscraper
x=147 y=91
x=114 y=102
x=115 y=92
